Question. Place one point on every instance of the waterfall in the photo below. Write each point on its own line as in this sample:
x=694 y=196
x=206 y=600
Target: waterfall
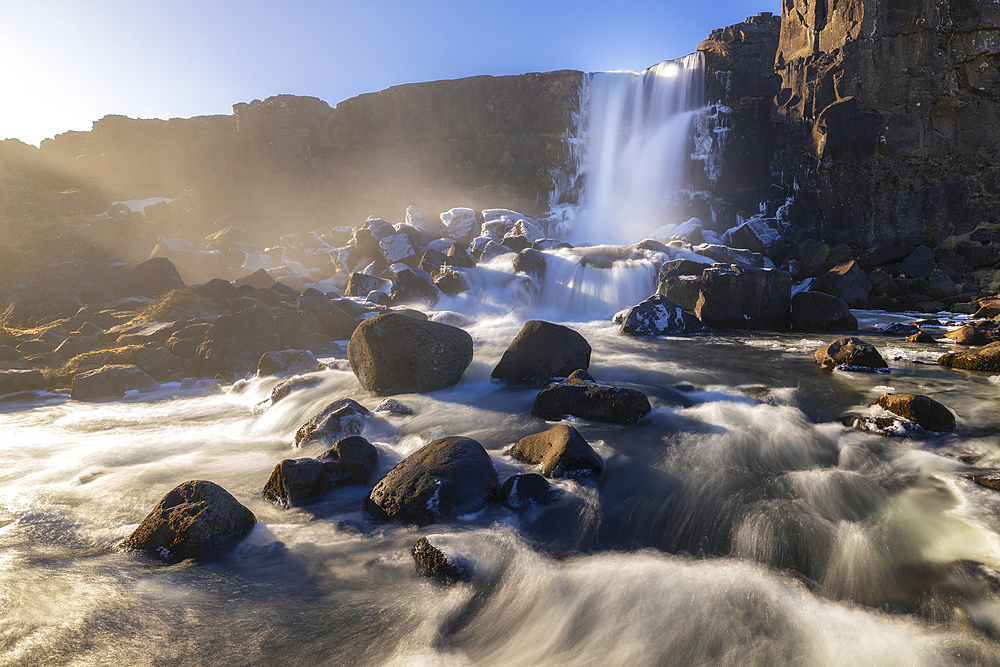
x=636 y=133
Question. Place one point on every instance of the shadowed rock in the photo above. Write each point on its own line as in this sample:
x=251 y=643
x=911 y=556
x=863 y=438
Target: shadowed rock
x=526 y=490
x=435 y=563
x=342 y=417
x=111 y=381
x=986 y=358
x=541 y=352
x=580 y=396
x=816 y=311
x=297 y=482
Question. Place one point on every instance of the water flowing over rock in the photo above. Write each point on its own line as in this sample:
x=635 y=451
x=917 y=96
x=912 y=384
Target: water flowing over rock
x=851 y=354
x=342 y=417
x=526 y=490
x=540 y=352
x=396 y=354
x=923 y=411
x=561 y=452
x=443 y=479
x=197 y=519
x=433 y=562
x=580 y=396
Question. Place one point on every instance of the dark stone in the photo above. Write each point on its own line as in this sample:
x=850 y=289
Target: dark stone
x=657 y=316
x=561 y=452
x=301 y=481
x=806 y=259
x=110 y=381
x=941 y=286
x=540 y=352
x=444 y=479
x=516 y=242
x=816 y=311
x=259 y=279
x=340 y=418
x=526 y=490
x=986 y=358
x=14 y=381
x=434 y=563
x=884 y=285
x=393 y=407
x=361 y=284
x=236 y=341
x=921 y=337
x=845 y=281
x=894 y=250
x=197 y=519
x=980 y=256
x=396 y=354
x=457 y=256
x=283 y=361
x=155 y=277
x=923 y=411
x=333 y=322
x=975 y=334
x=414 y=286
x=745 y=259
x=431 y=261
x=851 y=354
x=580 y=396
x=899 y=329
x=735 y=298
x=530 y=261
x=451 y=282
x=919 y=263
x=295 y=327
x=680 y=267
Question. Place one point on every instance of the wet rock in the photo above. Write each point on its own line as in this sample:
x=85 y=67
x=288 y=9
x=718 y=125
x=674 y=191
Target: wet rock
x=333 y=321
x=295 y=327
x=451 y=282
x=155 y=277
x=111 y=381
x=530 y=261
x=657 y=316
x=580 y=396
x=745 y=259
x=284 y=361
x=516 y=242
x=735 y=298
x=361 y=284
x=235 y=341
x=414 y=286
x=283 y=389
x=259 y=279
x=297 y=482
x=14 y=381
x=451 y=318
x=851 y=354
x=526 y=490
x=444 y=479
x=845 y=281
x=986 y=358
x=431 y=261
x=754 y=235
x=988 y=309
x=457 y=256
x=341 y=418
x=681 y=267
x=197 y=519
x=561 y=452
x=393 y=407
x=424 y=221
x=395 y=354
x=923 y=411
x=921 y=337
x=682 y=289
x=541 y=352
x=218 y=290
x=433 y=562
x=816 y=311
x=978 y=334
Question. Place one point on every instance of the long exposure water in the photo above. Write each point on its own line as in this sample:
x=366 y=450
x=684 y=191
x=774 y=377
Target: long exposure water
x=725 y=530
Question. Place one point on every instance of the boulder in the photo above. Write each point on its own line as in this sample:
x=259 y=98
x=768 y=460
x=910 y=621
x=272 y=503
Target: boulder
x=444 y=479
x=526 y=490
x=396 y=354
x=393 y=407
x=921 y=337
x=461 y=223
x=899 y=329
x=14 y=381
x=746 y=259
x=530 y=261
x=941 y=286
x=284 y=361
x=580 y=396
x=235 y=342
x=919 y=263
x=333 y=321
x=341 y=418
x=923 y=411
x=451 y=282
x=985 y=358
x=816 y=311
x=657 y=316
x=845 y=281
x=296 y=482
x=431 y=261
x=8 y=353
x=424 y=221
x=361 y=284
x=561 y=452
x=197 y=519
x=894 y=250
x=884 y=285
x=852 y=354
x=111 y=381
x=155 y=277
x=541 y=352
x=806 y=259
x=680 y=267
x=414 y=286
x=754 y=235
x=397 y=248
x=516 y=242
x=259 y=279
x=295 y=327
x=683 y=289
x=458 y=256
x=735 y=298
x=988 y=309
x=432 y=561
x=981 y=333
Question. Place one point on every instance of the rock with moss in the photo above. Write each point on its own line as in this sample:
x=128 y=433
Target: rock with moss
x=560 y=452
x=985 y=358
x=434 y=561
x=921 y=410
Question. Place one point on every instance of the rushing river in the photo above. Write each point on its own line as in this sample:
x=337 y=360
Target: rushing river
x=725 y=530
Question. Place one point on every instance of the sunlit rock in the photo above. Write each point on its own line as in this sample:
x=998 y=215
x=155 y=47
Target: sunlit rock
x=110 y=382
x=560 y=452
x=852 y=354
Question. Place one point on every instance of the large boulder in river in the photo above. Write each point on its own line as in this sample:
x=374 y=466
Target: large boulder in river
x=14 y=381
x=541 y=352
x=197 y=519
x=851 y=354
x=297 y=482
x=155 y=277
x=923 y=411
x=112 y=381
x=816 y=311
x=980 y=333
x=236 y=341
x=444 y=479
x=657 y=316
x=561 y=452
x=580 y=396
x=731 y=297
x=986 y=358
x=845 y=281
x=396 y=354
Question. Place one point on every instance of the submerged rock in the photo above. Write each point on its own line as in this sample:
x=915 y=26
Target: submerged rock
x=297 y=482
x=923 y=411
x=657 y=316
x=435 y=563
x=526 y=490
x=852 y=354
x=342 y=417
x=561 y=452
x=197 y=519
x=111 y=381
x=580 y=396
x=444 y=479
x=396 y=354
x=541 y=352
x=986 y=358
x=816 y=311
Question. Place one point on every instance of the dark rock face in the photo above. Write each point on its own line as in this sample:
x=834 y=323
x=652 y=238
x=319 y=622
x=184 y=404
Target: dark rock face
x=735 y=298
x=815 y=311
x=396 y=354
x=580 y=396
x=360 y=284
x=444 y=479
x=850 y=354
x=540 y=352
x=342 y=417
x=235 y=341
x=526 y=490
x=283 y=361
x=986 y=358
x=414 y=286
x=657 y=316
x=435 y=563
x=923 y=411
x=530 y=261
x=333 y=322
x=302 y=481
x=155 y=277
x=845 y=281
x=561 y=452
x=450 y=282
x=111 y=381
x=197 y=519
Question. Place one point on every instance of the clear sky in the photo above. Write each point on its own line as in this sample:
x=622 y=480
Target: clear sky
x=66 y=63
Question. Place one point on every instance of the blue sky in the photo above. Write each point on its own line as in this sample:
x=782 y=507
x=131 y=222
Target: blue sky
x=67 y=63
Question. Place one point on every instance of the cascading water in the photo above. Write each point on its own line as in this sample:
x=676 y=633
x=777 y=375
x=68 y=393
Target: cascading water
x=636 y=131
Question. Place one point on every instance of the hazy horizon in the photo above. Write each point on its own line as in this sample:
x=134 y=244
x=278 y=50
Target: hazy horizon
x=72 y=63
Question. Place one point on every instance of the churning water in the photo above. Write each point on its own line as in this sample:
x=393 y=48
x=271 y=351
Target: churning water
x=725 y=530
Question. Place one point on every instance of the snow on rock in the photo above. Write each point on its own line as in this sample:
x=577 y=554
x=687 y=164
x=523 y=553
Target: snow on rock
x=690 y=230
x=396 y=248
x=460 y=222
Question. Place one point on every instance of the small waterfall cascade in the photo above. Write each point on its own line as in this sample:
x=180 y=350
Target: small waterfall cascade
x=634 y=148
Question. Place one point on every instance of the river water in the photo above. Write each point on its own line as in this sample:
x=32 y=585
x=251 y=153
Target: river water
x=725 y=530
